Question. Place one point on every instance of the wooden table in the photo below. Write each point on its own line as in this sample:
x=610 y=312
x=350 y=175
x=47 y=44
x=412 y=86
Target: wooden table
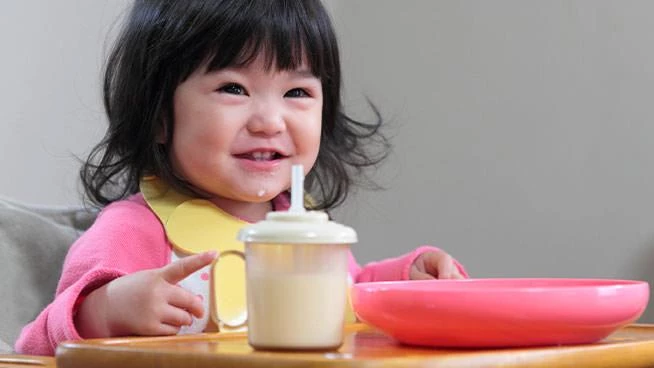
x=26 y=361
x=364 y=346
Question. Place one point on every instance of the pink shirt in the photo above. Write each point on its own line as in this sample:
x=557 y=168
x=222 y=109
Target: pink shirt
x=128 y=237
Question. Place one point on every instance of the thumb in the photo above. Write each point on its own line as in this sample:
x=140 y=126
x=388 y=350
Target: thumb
x=180 y=269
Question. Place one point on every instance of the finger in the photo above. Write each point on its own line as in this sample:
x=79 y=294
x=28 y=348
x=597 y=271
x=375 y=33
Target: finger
x=448 y=273
x=445 y=267
x=176 y=317
x=417 y=275
x=179 y=270
x=440 y=265
x=166 y=329
x=456 y=274
x=160 y=329
x=448 y=269
x=183 y=299
x=436 y=263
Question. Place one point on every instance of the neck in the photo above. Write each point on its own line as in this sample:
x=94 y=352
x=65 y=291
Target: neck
x=247 y=211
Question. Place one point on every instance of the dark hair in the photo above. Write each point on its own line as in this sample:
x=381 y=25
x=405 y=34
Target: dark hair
x=163 y=42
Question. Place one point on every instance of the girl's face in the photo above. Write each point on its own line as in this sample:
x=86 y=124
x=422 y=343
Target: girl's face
x=238 y=131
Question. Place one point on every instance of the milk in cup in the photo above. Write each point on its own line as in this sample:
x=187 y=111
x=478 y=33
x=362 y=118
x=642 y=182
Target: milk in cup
x=296 y=280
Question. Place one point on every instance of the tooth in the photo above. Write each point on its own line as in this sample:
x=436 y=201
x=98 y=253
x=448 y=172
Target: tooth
x=263 y=156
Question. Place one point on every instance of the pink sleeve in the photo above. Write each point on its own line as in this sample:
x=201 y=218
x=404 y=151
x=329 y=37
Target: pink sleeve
x=125 y=238
x=392 y=269
x=55 y=323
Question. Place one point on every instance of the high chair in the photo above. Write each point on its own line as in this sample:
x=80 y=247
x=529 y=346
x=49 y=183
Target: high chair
x=34 y=241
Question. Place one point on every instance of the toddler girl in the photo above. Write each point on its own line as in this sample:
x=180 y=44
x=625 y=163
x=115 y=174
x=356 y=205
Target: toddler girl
x=209 y=104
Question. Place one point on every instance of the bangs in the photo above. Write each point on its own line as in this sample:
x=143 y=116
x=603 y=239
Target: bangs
x=286 y=33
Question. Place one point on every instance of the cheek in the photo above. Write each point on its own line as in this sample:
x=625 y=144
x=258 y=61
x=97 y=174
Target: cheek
x=310 y=143
x=202 y=129
x=196 y=150
x=312 y=129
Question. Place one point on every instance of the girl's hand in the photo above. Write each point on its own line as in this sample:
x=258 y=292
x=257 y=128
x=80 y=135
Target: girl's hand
x=147 y=302
x=434 y=265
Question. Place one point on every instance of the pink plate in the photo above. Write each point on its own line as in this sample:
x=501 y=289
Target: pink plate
x=479 y=313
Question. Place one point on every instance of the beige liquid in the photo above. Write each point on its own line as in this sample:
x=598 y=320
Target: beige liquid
x=296 y=311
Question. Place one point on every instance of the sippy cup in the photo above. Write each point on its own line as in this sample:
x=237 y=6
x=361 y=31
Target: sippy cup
x=296 y=277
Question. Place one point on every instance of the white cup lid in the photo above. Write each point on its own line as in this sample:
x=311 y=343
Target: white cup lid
x=310 y=227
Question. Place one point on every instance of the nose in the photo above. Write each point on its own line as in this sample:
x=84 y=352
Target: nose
x=267 y=119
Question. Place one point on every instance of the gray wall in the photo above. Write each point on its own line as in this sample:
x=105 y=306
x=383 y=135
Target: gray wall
x=523 y=136
x=521 y=128
x=50 y=108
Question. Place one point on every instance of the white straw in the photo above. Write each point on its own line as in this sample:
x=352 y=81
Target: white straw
x=297 y=189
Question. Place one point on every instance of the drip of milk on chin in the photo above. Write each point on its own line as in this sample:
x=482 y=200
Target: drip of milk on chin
x=261 y=192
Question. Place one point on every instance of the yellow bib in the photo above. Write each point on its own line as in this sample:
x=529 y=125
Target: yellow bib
x=194 y=226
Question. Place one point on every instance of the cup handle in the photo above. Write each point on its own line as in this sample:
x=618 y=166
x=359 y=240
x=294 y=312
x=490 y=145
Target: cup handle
x=234 y=324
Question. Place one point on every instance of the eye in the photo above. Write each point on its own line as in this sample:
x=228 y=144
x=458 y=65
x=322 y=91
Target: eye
x=297 y=92
x=233 y=88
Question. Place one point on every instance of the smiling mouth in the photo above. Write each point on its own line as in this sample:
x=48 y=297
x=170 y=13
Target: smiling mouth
x=261 y=156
